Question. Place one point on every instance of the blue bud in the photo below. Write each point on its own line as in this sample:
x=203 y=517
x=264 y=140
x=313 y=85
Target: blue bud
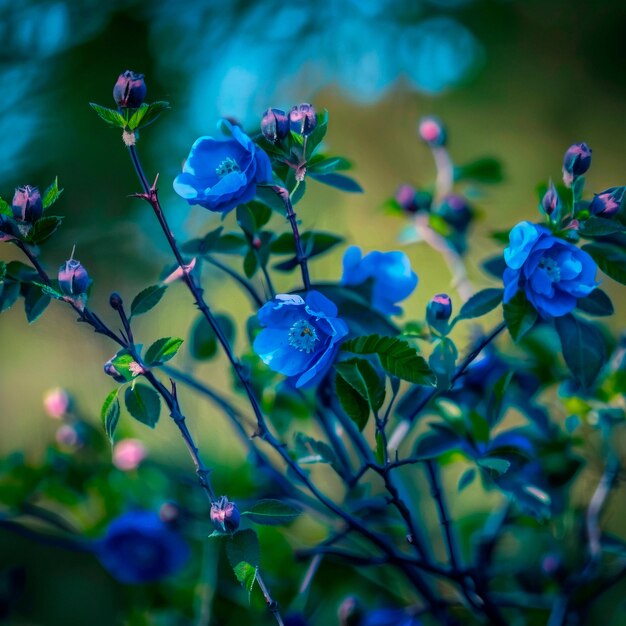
x=608 y=202
x=275 y=125
x=130 y=90
x=109 y=370
x=413 y=200
x=73 y=278
x=576 y=162
x=432 y=131
x=302 y=119
x=438 y=312
x=551 y=203
x=225 y=515
x=27 y=204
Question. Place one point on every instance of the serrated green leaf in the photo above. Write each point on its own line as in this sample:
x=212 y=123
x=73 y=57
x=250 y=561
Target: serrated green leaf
x=397 y=357
x=364 y=379
x=51 y=194
x=599 y=226
x=147 y=299
x=520 y=315
x=243 y=547
x=35 y=303
x=352 y=402
x=272 y=512
x=110 y=414
x=162 y=350
x=583 y=348
x=143 y=403
x=611 y=259
x=480 y=304
x=43 y=228
x=110 y=116
x=246 y=575
x=596 y=303
x=203 y=342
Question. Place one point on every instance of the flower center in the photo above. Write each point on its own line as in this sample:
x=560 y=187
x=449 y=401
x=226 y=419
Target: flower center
x=551 y=268
x=302 y=336
x=227 y=166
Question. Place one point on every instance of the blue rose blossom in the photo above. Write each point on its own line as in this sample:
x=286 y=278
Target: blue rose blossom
x=138 y=547
x=552 y=272
x=392 y=278
x=300 y=337
x=219 y=174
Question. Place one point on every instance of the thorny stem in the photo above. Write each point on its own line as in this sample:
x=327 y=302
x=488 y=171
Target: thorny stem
x=283 y=194
x=272 y=605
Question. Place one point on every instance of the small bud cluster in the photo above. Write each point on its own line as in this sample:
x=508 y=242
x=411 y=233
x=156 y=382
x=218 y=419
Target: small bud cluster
x=276 y=124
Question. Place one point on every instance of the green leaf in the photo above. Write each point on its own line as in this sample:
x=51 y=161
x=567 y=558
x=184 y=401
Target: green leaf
x=143 y=403
x=318 y=134
x=9 y=293
x=352 y=402
x=364 y=379
x=51 y=195
x=162 y=350
x=480 y=304
x=3 y=271
x=203 y=342
x=610 y=258
x=397 y=357
x=147 y=113
x=583 y=348
x=43 y=228
x=435 y=443
x=122 y=362
x=246 y=575
x=147 y=299
x=596 y=303
x=110 y=116
x=313 y=244
x=309 y=450
x=495 y=266
x=599 y=227
x=243 y=547
x=494 y=466
x=21 y=272
x=110 y=414
x=466 y=479
x=272 y=512
x=245 y=219
x=519 y=315
x=320 y=164
x=204 y=245
x=339 y=181
x=442 y=362
x=5 y=208
x=578 y=187
x=483 y=170
x=250 y=263
x=35 y=303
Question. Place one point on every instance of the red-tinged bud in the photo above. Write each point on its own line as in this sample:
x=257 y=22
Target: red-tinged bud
x=275 y=125
x=130 y=90
x=27 y=204
x=302 y=119
x=73 y=278
x=225 y=515
x=432 y=131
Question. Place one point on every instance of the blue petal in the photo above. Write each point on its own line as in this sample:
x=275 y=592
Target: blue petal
x=521 y=238
x=320 y=305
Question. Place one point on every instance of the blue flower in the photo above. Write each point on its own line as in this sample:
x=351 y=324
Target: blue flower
x=138 y=547
x=301 y=336
x=390 y=273
x=552 y=272
x=219 y=174
x=390 y=617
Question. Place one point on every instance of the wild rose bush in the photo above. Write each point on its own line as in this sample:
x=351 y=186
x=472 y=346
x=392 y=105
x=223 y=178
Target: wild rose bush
x=337 y=391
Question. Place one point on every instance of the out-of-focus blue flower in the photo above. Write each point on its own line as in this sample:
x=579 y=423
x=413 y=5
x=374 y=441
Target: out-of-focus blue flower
x=390 y=617
x=219 y=174
x=552 y=272
x=392 y=278
x=608 y=202
x=138 y=547
x=576 y=162
x=300 y=337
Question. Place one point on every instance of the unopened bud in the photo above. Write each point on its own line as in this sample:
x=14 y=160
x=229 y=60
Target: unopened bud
x=608 y=202
x=413 y=200
x=275 y=125
x=170 y=513
x=128 y=454
x=551 y=203
x=115 y=300
x=27 y=204
x=130 y=90
x=350 y=612
x=109 y=370
x=432 y=131
x=576 y=162
x=438 y=311
x=225 y=515
x=73 y=278
x=302 y=119
x=56 y=403
x=69 y=436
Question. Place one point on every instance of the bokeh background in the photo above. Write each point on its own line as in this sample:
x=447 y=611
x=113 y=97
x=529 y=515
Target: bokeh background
x=516 y=79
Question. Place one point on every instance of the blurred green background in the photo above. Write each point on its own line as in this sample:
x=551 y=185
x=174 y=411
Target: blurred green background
x=519 y=80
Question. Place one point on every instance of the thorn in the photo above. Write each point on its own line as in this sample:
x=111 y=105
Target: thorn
x=143 y=196
x=174 y=395
x=154 y=184
x=73 y=250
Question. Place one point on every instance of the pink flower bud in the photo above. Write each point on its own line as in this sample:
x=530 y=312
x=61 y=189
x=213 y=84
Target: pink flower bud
x=128 y=454
x=56 y=403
